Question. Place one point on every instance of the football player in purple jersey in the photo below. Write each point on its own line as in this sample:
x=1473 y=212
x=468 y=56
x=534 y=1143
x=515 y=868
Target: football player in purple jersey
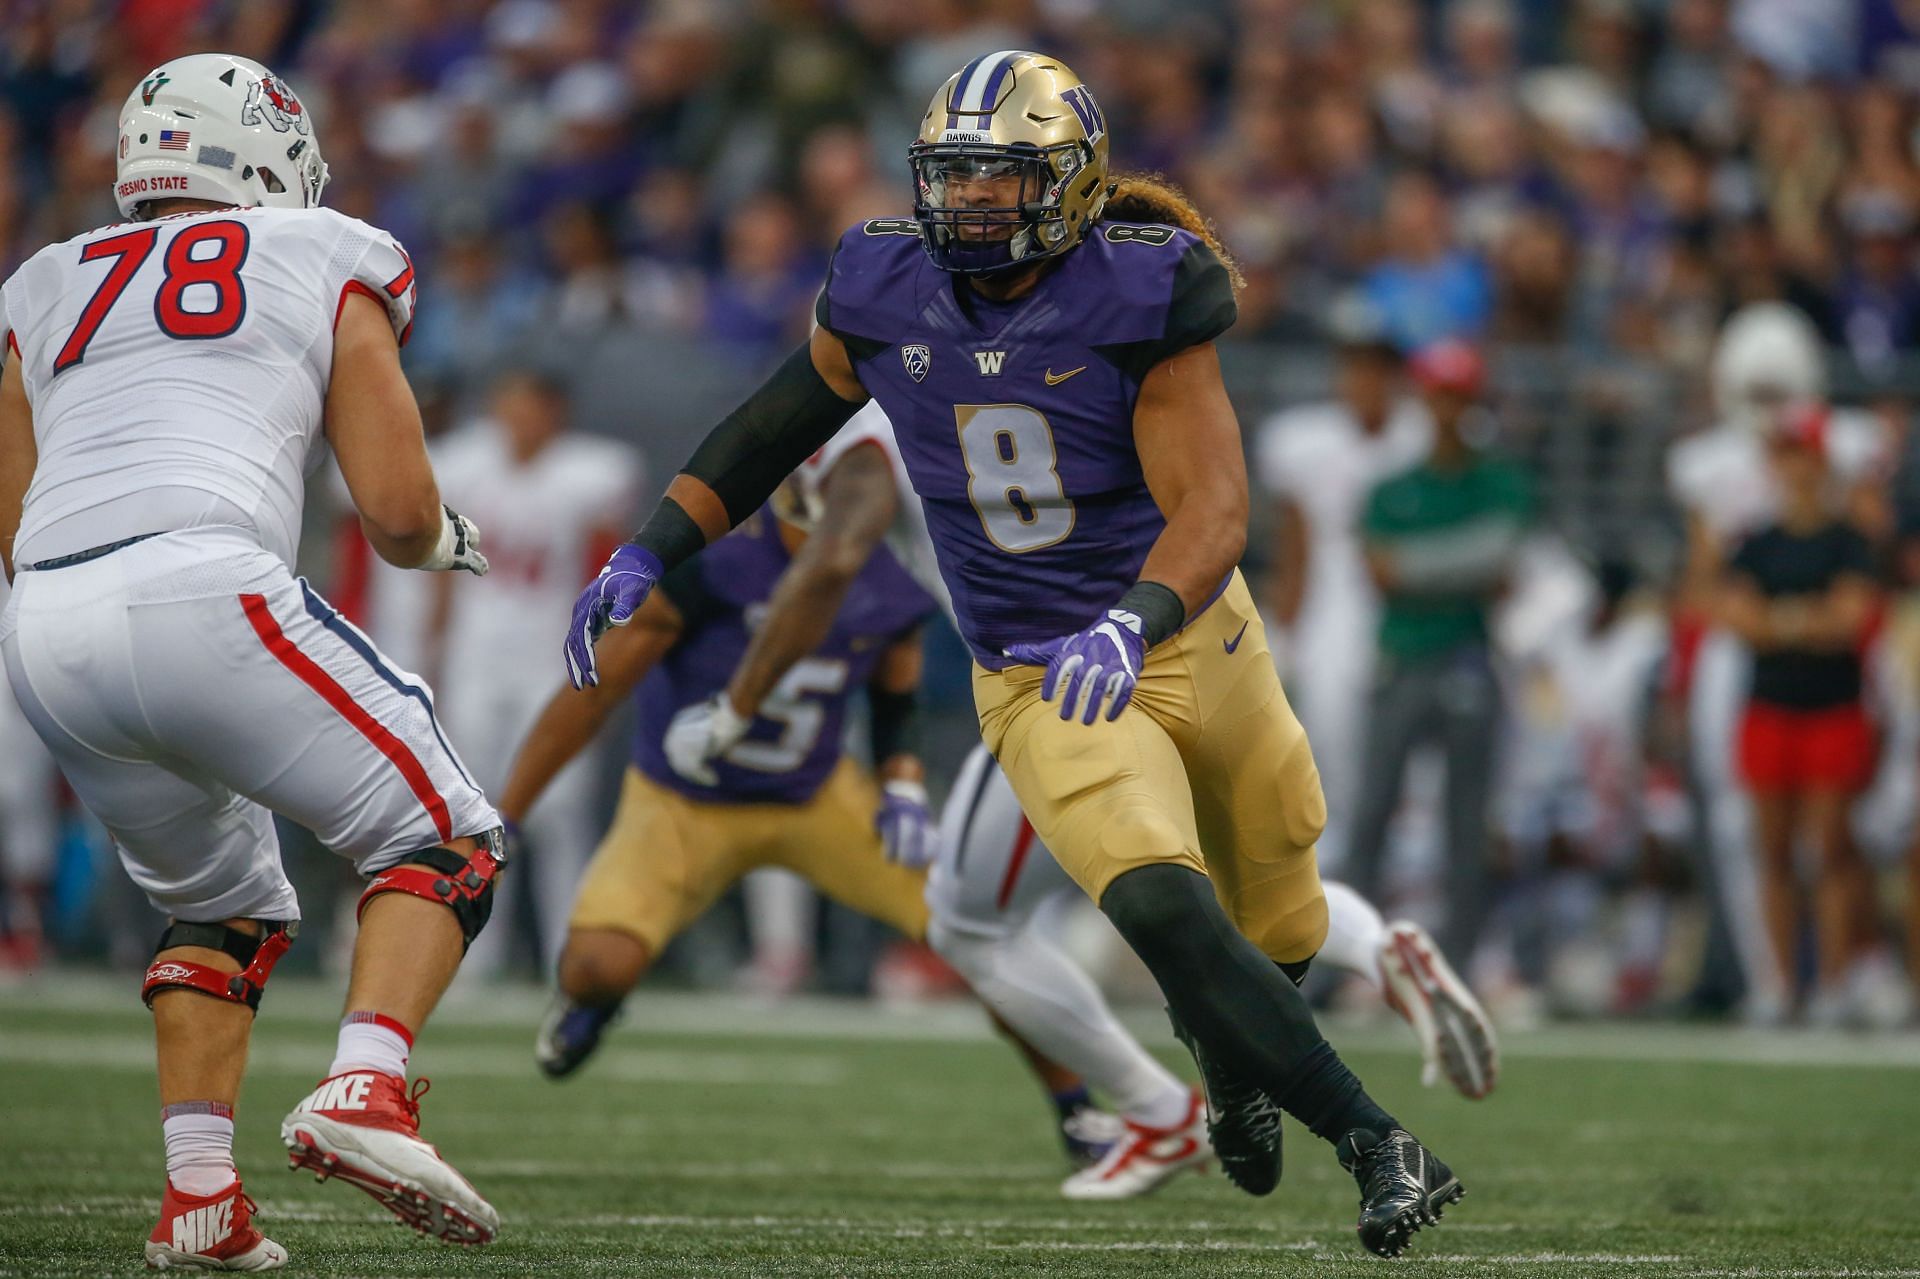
x=1048 y=365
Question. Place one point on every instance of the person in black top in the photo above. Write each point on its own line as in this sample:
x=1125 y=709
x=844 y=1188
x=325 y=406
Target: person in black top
x=1802 y=594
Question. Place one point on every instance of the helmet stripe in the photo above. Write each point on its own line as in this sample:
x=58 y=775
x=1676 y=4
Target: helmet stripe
x=960 y=83
x=1001 y=70
x=975 y=93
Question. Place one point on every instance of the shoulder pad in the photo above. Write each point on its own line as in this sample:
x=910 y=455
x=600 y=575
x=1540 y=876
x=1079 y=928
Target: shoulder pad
x=874 y=280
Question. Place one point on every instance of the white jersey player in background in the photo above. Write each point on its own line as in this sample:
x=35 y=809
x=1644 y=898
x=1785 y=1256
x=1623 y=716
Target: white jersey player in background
x=1320 y=462
x=556 y=502
x=991 y=879
x=1768 y=359
x=173 y=380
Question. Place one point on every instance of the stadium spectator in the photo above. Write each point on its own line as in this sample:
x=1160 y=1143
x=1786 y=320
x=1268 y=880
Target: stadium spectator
x=1441 y=541
x=1802 y=593
x=1427 y=289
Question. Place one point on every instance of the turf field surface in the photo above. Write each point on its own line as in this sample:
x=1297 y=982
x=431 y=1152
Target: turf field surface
x=720 y=1137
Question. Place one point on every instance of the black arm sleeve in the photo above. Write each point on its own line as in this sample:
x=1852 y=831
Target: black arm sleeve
x=895 y=723
x=758 y=444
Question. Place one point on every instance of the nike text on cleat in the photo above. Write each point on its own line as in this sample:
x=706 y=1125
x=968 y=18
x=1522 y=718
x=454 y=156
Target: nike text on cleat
x=1145 y=1159
x=1402 y=1187
x=1455 y=1034
x=1243 y=1123
x=363 y=1128
x=210 y=1232
x=569 y=1035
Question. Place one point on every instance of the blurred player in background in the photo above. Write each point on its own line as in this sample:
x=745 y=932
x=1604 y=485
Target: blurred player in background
x=1088 y=533
x=714 y=794
x=1768 y=360
x=994 y=884
x=171 y=381
x=556 y=501
x=1319 y=462
x=782 y=793
x=1801 y=593
x=1590 y=801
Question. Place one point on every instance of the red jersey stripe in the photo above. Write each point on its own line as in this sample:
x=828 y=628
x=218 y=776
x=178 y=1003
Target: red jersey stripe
x=309 y=673
x=1021 y=843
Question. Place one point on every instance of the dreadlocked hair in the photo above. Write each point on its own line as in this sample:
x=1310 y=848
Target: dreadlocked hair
x=1148 y=197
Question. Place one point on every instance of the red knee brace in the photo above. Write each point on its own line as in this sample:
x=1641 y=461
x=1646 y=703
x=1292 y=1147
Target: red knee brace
x=463 y=885
x=257 y=955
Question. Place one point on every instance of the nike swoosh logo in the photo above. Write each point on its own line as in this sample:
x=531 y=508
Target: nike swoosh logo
x=1056 y=379
x=1234 y=643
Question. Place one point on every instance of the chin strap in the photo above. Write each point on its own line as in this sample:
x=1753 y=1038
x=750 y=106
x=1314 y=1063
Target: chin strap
x=463 y=885
x=255 y=955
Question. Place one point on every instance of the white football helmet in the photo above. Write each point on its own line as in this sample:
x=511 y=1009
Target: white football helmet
x=1768 y=356
x=215 y=126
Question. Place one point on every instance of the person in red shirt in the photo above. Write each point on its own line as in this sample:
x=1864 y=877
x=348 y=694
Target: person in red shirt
x=1802 y=593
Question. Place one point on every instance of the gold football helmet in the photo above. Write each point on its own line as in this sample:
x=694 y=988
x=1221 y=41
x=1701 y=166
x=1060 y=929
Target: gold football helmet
x=1010 y=165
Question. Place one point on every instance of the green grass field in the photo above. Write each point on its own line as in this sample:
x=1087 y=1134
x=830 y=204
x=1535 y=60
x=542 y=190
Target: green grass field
x=714 y=1137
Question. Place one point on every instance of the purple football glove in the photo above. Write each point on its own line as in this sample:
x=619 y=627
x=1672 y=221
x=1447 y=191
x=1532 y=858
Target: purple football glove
x=609 y=600
x=1102 y=663
x=906 y=825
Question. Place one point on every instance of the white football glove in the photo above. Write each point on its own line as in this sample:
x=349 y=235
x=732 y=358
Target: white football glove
x=702 y=733
x=458 y=548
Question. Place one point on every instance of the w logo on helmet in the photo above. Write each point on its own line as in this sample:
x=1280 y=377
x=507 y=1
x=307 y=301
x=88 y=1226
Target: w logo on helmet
x=273 y=102
x=1080 y=98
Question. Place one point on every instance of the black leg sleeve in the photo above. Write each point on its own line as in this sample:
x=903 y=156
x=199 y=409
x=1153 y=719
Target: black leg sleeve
x=1241 y=1007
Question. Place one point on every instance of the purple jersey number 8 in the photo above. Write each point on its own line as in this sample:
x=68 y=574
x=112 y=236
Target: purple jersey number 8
x=1013 y=478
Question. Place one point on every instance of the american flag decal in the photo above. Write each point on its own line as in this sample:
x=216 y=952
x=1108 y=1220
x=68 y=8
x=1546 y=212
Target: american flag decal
x=174 y=139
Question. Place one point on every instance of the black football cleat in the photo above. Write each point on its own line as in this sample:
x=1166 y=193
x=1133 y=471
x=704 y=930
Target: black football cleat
x=1402 y=1187
x=1243 y=1122
x=569 y=1035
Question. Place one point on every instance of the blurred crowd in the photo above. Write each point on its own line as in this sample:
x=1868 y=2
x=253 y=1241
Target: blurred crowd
x=584 y=181
x=1608 y=174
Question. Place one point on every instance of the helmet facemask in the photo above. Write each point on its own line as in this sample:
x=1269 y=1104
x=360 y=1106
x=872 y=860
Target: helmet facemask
x=985 y=207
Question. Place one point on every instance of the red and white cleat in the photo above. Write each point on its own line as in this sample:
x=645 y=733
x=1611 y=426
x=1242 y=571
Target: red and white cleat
x=210 y=1232
x=1455 y=1034
x=1145 y=1159
x=363 y=1128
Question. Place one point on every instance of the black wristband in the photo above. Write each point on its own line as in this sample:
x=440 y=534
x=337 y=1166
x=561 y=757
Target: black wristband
x=895 y=723
x=671 y=534
x=1160 y=611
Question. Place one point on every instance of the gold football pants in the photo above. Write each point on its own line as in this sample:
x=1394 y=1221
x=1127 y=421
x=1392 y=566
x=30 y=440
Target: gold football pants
x=1206 y=768
x=667 y=858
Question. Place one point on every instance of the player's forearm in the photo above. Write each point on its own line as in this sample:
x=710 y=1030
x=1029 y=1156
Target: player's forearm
x=1205 y=536
x=799 y=616
x=860 y=501
x=1287 y=579
x=404 y=535
x=571 y=720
